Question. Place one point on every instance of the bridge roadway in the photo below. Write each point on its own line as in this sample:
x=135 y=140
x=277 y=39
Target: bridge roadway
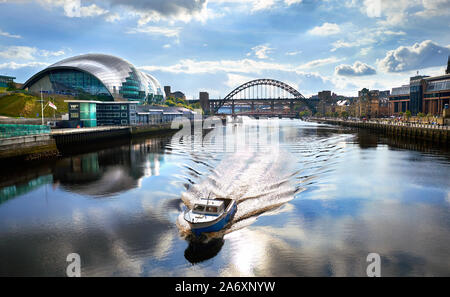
x=213 y=103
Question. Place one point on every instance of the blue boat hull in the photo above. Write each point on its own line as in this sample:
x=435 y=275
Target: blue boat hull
x=217 y=226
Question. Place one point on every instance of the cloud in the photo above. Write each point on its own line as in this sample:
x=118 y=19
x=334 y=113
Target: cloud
x=112 y=17
x=290 y=2
x=261 y=51
x=91 y=11
x=325 y=30
x=18 y=52
x=357 y=69
x=319 y=62
x=395 y=12
x=235 y=80
x=14 y=65
x=6 y=34
x=418 y=56
x=46 y=53
x=155 y=10
x=74 y=9
x=27 y=53
x=364 y=37
x=293 y=53
x=154 y=30
x=262 y=4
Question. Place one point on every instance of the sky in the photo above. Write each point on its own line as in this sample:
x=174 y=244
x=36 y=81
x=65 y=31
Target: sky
x=217 y=45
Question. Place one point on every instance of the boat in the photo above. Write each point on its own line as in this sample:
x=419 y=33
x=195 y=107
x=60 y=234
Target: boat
x=210 y=215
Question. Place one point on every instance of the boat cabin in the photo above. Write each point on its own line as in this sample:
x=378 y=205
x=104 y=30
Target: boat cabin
x=211 y=207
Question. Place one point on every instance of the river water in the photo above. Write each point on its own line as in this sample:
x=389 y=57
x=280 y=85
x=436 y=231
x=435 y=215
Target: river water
x=313 y=200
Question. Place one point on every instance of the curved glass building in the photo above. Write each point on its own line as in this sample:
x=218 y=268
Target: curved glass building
x=97 y=77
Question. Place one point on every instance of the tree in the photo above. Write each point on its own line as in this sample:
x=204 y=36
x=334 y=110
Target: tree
x=408 y=114
x=11 y=86
x=344 y=114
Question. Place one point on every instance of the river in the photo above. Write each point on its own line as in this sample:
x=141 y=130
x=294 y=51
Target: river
x=313 y=200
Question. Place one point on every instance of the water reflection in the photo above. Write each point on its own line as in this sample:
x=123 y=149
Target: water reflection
x=199 y=251
x=111 y=171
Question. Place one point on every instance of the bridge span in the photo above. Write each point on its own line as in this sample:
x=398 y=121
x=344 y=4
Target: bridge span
x=260 y=96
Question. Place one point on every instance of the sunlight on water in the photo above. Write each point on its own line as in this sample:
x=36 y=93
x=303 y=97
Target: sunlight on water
x=260 y=179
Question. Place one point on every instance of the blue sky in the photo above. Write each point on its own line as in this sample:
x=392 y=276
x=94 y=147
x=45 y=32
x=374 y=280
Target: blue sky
x=216 y=45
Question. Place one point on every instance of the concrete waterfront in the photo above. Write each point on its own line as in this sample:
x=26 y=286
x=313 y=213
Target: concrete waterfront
x=432 y=133
x=30 y=147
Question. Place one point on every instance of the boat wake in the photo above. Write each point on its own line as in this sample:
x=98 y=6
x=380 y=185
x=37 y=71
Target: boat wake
x=257 y=181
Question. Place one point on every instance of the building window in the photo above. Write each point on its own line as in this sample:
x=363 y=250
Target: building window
x=123 y=107
x=124 y=114
x=74 y=115
x=124 y=122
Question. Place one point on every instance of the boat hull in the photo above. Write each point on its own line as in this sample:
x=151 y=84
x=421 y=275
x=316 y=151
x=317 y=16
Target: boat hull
x=214 y=226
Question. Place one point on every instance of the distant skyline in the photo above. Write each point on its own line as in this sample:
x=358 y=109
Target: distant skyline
x=216 y=45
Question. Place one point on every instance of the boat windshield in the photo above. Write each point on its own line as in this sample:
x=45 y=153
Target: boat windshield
x=212 y=209
x=199 y=207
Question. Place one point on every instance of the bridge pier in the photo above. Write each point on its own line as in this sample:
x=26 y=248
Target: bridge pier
x=253 y=106
x=272 y=106
x=291 y=106
x=232 y=108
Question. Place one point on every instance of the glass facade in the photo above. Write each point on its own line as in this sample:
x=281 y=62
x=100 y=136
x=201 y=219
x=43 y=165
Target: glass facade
x=131 y=89
x=415 y=97
x=88 y=114
x=78 y=83
x=5 y=80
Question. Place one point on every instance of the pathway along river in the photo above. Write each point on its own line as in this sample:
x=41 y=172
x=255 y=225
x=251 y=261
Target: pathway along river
x=314 y=204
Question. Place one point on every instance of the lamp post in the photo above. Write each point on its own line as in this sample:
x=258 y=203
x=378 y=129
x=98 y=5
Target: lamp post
x=42 y=108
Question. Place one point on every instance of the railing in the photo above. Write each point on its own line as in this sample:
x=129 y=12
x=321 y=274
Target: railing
x=13 y=130
x=391 y=123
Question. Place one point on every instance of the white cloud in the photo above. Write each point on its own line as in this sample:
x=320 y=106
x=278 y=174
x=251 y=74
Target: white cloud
x=293 y=53
x=91 y=11
x=365 y=37
x=154 y=30
x=261 y=51
x=166 y=46
x=243 y=66
x=290 y=2
x=14 y=65
x=6 y=34
x=319 y=62
x=262 y=4
x=357 y=69
x=112 y=17
x=418 y=56
x=397 y=12
x=27 y=53
x=235 y=80
x=74 y=9
x=46 y=53
x=325 y=30
x=18 y=52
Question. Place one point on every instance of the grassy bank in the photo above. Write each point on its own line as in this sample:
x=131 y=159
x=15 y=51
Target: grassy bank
x=29 y=106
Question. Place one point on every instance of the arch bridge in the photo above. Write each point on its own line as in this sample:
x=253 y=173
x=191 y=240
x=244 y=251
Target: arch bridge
x=262 y=97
